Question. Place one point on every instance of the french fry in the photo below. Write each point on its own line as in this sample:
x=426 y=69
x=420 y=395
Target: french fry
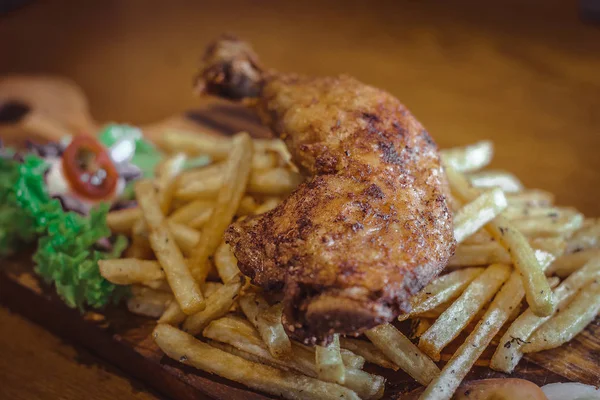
x=183 y=347
x=563 y=225
x=191 y=211
x=538 y=293
x=128 y=271
x=530 y=198
x=479 y=254
x=477 y=213
x=264 y=160
x=568 y=322
x=267 y=320
x=443 y=289
x=469 y=158
x=452 y=321
x=247 y=206
x=148 y=302
x=218 y=147
x=274 y=182
x=185 y=237
x=569 y=263
x=446 y=383
x=165 y=181
x=467 y=255
x=204 y=189
x=201 y=174
x=513 y=213
x=173 y=314
x=140 y=244
x=226 y=262
x=243 y=337
x=121 y=221
x=509 y=352
x=186 y=290
x=496 y=179
x=368 y=351
x=403 y=353
x=329 y=363
x=267 y=205
x=588 y=237
x=236 y=172
x=217 y=305
x=553 y=245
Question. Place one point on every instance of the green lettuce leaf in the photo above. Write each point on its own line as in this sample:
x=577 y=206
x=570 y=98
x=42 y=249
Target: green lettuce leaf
x=65 y=255
x=16 y=225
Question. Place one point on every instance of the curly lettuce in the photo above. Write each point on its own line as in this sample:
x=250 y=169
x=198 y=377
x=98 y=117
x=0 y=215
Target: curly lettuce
x=66 y=254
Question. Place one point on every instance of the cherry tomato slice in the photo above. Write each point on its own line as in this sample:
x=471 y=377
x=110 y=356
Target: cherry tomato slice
x=89 y=168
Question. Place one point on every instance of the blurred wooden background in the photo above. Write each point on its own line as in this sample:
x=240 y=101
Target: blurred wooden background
x=525 y=74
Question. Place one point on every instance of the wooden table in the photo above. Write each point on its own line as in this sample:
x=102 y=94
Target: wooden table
x=525 y=74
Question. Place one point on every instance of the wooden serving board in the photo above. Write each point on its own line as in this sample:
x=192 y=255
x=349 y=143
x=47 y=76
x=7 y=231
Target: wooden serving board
x=124 y=339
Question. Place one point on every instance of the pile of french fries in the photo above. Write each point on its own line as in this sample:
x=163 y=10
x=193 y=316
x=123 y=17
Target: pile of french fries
x=524 y=277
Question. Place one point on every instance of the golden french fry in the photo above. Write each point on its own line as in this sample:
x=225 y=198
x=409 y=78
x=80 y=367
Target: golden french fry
x=206 y=188
x=236 y=173
x=240 y=334
x=226 y=262
x=496 y=179
x=195 y=144
x=127 y=271
x=264 y=160
x=452 y=321
x=553 y=245
x=217 y=305
x=121 y=221
x=267 y=205
x=186 y=290
x=403 y=353
x=183 y=347
x=509 y=297
x=140 y=245
x=165 y=181
x=148 y=302
x=569 y=263
x=563 y=225
x=587 y=237
x=443 y=289
x=267 y=320
x=467 y=255
x=538 y=293
x=247 y=206
x=185 y=237
x=568 y=322
x=530 y=198
x=509 y=351
x=329 y=363
x=173 y=314
x=200 y=174
x=275 y=181
x=469 y=158
x=514 y=213
x=192 y=210
x=368 y=351
x=477 y=213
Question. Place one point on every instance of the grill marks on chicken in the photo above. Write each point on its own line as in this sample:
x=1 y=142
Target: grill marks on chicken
x=370 y=226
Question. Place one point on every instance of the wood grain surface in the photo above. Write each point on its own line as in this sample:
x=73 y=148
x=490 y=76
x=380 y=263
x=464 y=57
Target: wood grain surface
x=522 y=73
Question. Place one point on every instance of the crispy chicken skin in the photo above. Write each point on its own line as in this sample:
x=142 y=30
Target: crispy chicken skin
x=369 y=227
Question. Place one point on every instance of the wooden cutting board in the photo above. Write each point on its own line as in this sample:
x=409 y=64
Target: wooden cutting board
x=124 y=339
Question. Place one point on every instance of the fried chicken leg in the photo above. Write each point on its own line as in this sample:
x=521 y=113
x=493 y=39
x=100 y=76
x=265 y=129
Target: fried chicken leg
x=370 y=226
